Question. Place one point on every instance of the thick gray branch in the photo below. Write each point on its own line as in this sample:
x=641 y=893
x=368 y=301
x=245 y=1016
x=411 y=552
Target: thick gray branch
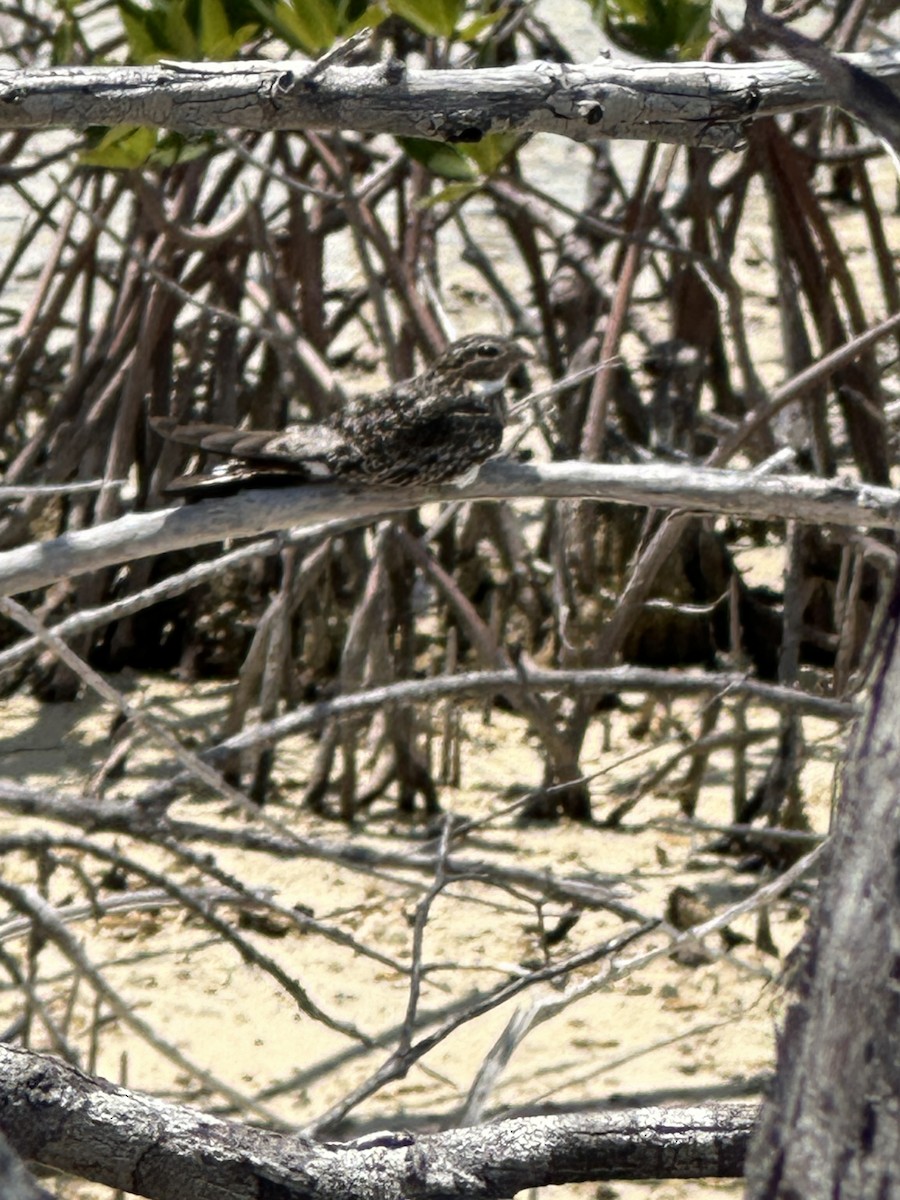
x=697 y=104
x=56 y=1115
x=830 y=1126
x=738 y=493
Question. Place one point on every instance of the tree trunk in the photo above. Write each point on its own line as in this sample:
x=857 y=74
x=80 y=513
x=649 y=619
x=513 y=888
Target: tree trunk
x=830 y=1128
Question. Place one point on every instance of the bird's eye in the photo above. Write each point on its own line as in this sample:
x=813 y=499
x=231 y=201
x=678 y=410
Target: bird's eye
x=489 y=350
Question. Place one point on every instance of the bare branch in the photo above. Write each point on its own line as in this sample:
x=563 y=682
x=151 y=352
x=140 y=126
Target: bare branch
x=739 y=493
x=132 y=1141
x=697 y=104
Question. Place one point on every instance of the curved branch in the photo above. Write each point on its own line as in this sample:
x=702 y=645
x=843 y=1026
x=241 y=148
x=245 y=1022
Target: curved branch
x=250 y=513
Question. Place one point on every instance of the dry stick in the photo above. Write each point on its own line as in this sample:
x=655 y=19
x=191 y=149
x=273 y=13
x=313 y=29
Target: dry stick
x=194 y=764
x=233 y=892
x=365 y=227
x=74 y=989
x=613 y=971
x=795 y=387
x=148 y=899
x=688 y=790
x=484 y=264
x=41 y=319
x=35 y=1004
x=251 y=670
x=187 y=900
x=875 y=226
x=274 y=632
x=578 y=529
x=650 y=194
x=75 y=488
x=168 y=284
x=531 y=704
x=856 y=91
x=155 y=323
x=666 y=537
x=697 y=751
x=191 y=238
x=142 y=818
x=43 y=210
x=351 y=671
x=144 y=813
x=397 y=1068
x=327 y=1067
x=359 y=220
x=304 y=923
x=847 y=613
x=598 y=1068
x=772 y=834
x=265 y=169
x=67 y=428
x=813 y=249
x=423 y=908
x=175 y=585
x=43 y=916
x=597 y=682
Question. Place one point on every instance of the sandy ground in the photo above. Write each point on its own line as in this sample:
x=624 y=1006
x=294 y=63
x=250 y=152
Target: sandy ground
x=673 y=1029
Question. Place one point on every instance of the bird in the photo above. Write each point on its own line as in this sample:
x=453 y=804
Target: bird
x=437 y=426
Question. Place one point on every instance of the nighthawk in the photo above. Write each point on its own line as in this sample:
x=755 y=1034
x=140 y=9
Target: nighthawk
x=436 y=426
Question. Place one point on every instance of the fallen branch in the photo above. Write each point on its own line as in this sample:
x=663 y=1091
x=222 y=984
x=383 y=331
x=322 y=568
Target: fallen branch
x=127 y=1140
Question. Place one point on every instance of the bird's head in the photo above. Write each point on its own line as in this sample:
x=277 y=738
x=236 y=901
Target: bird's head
x=480 y=358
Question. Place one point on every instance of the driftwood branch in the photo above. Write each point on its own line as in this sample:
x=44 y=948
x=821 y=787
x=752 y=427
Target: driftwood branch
x=53 y=1113
x=696 y=489
x=697 y=104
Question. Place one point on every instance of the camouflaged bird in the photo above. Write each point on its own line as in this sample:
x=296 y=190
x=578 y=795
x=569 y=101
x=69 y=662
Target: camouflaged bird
x=437 y=426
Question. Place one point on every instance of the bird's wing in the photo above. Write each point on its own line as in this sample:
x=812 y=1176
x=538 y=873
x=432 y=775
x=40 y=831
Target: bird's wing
x=311 y=446
x=300 y=449
x=231 y=479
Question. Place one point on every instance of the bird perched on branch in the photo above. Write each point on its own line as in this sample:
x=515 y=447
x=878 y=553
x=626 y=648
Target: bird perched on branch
x=437 y=426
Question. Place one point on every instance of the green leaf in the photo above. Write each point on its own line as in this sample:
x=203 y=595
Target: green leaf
x=435 y=18
x=314 y=25
x=472 y=29
x=368 y=16
x=182 y=37
x=176 y=148
x=664 y=29
x=490 y=152
x=453 y=193
x=145 y=38
x=121 y=147
x=440 y=158
x=318 y=22
x=214 y=27
x=280 y=19
x=353 y=15
x=186 y=29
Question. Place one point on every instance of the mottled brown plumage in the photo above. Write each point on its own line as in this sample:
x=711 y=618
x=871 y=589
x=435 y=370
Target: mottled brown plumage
x=437 y=426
